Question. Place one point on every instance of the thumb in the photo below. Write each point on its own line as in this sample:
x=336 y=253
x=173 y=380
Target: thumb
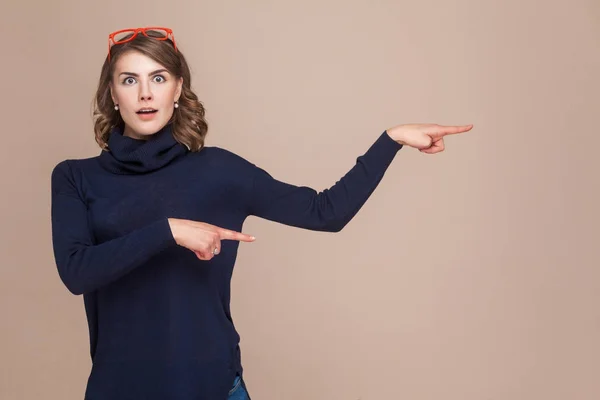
x=421 y=141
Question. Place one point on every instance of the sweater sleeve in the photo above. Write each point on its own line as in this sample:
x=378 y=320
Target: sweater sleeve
x=331 y=209
x=84 y=266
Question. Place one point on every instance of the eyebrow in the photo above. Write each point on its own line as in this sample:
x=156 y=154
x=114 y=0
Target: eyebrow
x=151 y=73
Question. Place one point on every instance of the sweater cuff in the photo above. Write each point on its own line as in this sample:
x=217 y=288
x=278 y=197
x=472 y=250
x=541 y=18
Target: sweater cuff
x=387 y=139
x=160 y=236
x=383 y=151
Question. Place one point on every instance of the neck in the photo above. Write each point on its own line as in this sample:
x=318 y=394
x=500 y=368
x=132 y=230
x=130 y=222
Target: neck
x=130 y=155
x=128 y=132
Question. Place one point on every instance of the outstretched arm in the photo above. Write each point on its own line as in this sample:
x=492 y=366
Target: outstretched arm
x=331 y=209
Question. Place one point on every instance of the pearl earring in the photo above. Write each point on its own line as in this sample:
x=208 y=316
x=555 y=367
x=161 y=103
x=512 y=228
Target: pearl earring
x=176 y=104
x=116 y=107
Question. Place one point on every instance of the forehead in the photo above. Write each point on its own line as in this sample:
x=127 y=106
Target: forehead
x=133 y=61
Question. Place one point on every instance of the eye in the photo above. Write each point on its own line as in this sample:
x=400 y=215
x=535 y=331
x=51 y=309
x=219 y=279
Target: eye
x=126 y=80
x=162 y=78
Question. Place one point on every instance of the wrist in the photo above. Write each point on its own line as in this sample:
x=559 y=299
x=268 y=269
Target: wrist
x=173 y=223
x=395 y=135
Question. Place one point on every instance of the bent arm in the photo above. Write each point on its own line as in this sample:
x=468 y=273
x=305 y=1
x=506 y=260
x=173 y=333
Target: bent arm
x=82 y=265
x=331 y=209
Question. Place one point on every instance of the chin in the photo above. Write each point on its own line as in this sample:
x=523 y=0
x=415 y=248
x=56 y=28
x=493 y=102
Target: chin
x=146 y=129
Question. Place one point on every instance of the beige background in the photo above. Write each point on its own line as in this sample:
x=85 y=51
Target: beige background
x=471 y=274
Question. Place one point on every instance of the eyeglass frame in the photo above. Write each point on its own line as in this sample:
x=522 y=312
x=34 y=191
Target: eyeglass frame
x=111 y=37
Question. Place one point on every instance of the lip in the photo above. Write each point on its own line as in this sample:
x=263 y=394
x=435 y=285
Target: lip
x=147 y=117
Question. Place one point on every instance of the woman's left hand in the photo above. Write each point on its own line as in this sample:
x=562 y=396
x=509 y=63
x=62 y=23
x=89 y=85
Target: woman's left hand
x=427 y=138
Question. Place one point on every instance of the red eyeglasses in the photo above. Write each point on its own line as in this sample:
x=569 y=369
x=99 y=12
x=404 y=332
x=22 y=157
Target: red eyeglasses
x=127 y=35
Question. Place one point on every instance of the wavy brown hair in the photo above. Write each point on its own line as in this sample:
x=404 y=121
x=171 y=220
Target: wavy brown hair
x=189 y=126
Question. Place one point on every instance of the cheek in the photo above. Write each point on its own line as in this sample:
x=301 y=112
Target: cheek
x=126 y=98
x=168 y=96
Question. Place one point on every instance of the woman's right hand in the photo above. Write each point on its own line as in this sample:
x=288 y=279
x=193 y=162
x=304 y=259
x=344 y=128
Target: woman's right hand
x=203 y=238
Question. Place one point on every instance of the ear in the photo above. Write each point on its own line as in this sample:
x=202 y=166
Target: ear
x=110 y=87
x=179 y=88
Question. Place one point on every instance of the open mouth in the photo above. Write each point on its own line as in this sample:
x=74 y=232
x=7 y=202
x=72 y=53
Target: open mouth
x=148 y=111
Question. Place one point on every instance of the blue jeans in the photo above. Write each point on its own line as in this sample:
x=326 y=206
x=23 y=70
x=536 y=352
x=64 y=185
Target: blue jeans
x=238 y=390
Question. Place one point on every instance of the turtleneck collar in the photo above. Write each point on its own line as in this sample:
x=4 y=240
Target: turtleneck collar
x=127 y=155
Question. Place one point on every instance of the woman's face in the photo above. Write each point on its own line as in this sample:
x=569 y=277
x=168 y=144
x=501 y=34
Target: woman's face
x=141 y=83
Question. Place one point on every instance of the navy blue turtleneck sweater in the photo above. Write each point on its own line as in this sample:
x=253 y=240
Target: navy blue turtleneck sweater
x=159 y=320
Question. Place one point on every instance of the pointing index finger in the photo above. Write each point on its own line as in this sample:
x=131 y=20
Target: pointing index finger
x=450 y=130
x=233 y=235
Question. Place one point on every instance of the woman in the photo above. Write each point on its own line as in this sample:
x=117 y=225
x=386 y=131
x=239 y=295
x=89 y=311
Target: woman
x=148 y=231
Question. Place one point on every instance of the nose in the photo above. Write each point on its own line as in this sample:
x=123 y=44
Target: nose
x=145 y=92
